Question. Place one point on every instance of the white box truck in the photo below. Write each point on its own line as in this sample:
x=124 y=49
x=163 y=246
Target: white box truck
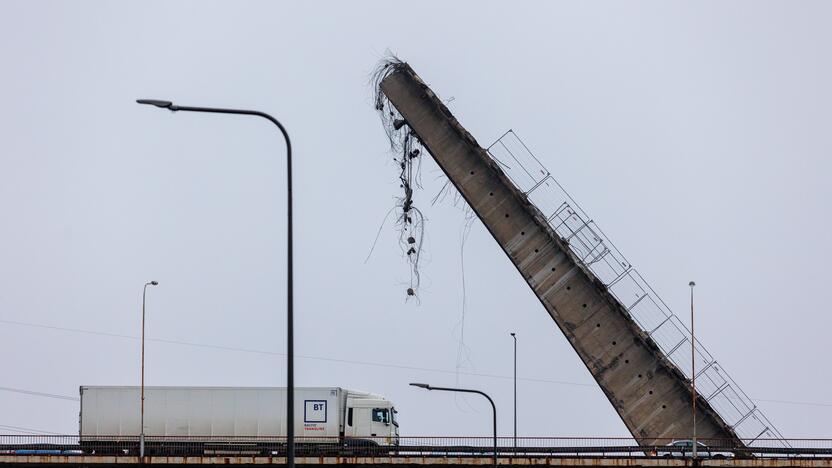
x=214 y=420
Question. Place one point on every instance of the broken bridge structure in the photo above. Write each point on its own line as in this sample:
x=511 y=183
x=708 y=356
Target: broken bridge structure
x=637 y=350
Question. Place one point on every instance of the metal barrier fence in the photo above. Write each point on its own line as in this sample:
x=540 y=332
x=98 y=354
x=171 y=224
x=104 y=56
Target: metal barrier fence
x=127 y=446
x=596 y=252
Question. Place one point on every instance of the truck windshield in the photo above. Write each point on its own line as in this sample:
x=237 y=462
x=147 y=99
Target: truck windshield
x=381 y=415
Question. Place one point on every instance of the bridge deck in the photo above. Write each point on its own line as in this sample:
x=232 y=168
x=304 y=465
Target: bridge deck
x=83 y=460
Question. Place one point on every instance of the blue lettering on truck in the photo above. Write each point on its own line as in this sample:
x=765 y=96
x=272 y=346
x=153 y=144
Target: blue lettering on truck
x=314 y=411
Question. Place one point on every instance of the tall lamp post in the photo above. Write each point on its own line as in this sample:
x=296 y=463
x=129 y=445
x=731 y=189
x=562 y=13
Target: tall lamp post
x=290 y=379
x=141 y=428
x=466 y=390
x=514 y=335
x=693 y=367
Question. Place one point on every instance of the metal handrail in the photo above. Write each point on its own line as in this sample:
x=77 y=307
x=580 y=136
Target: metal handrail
x=567 y=219
x=461 y=446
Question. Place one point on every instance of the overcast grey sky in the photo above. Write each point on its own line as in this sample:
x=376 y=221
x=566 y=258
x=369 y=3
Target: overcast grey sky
x=696 y=134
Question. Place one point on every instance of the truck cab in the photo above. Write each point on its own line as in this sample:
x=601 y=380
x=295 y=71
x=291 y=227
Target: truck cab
x=370 y=419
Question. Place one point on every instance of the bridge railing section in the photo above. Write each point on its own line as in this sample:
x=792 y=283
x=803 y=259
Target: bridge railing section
x=596 y=252
x=435 y=446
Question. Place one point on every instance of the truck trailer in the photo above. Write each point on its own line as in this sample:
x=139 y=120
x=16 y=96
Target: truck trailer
x=239 y=420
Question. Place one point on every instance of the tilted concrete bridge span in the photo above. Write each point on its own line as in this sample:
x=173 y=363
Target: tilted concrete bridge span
x=643 y=378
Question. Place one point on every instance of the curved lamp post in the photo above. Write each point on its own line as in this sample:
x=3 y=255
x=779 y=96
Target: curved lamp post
x=466 y=390
x=141 y=428
x=290 y=380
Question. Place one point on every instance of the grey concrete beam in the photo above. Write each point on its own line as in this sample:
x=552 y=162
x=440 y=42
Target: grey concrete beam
x=649 y=393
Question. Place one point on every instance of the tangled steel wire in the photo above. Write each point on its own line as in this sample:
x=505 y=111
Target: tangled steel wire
x=407 y=150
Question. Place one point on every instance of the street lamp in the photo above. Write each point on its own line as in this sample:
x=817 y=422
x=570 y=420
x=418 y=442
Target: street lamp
x=290 y=379
x=514 y=335
x=141 y=429
x=465 y=390
x=693 y=367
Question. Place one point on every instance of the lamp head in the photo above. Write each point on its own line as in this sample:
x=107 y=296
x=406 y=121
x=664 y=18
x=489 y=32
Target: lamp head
x=691 y=284
x=156 y=102
x=421 y=385
x=154 y=283
x=513 y=334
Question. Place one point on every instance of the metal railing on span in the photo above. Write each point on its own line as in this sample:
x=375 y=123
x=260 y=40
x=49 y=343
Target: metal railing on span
x=599 y=256
x=433 y=446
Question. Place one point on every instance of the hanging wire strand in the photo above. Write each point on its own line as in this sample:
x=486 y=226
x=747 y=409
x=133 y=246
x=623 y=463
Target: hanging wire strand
x=408 y=149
